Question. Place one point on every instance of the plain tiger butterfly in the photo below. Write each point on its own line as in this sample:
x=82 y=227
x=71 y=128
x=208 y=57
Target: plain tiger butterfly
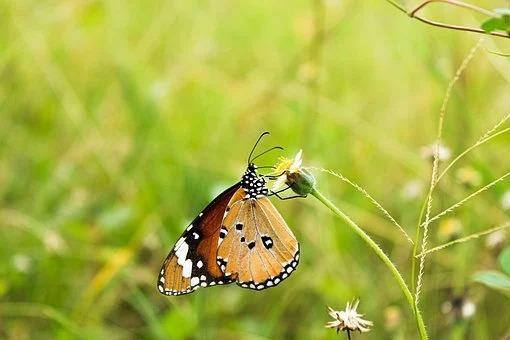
x=239 y=237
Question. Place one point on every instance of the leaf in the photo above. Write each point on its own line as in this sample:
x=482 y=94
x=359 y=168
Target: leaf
x=494 y=24
x=501 y=22
x=493 y=279
x=504 y=260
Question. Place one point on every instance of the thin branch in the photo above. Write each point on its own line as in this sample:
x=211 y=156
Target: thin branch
x=499 y=53
x=371 y=199
x=397 y=6
x=467 y=238
x=454 y=3
x=494 y=128
x=461 y=202
x=461 y=28
x=413 y=14
x=485 y=138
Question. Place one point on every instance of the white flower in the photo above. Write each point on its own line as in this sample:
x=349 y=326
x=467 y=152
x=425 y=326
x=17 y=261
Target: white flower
x=349 y=319
x=468 y=309
x=443 y=152
x=412 y=189
x=459 y=307
x=505 y=200
x=287 y=168
x=495 y=239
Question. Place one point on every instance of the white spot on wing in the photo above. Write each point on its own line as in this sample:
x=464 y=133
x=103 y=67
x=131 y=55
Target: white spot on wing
x=179 y=243
x=181 y=253
x=194 y=281
x=200 y=264
x=186 y=268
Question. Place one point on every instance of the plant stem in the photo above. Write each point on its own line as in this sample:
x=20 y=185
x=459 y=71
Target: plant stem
x=454 y=3
x=394 y=271
x=415 y=248
x=414 y=15
x=397 y=6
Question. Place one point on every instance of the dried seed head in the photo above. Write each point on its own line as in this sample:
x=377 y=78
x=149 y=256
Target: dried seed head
x=348 y=319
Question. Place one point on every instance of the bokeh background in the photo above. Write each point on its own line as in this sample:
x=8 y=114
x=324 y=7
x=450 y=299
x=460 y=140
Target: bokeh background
x=120 y=121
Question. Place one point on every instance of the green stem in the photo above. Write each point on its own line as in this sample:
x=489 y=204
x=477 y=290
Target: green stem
x=394 y=271
x=414 y=260
x=415 y=247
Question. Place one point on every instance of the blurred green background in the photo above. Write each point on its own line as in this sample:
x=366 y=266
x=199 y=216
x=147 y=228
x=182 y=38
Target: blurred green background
x=121 y=120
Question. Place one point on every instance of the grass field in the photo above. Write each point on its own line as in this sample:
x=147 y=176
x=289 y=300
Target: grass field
x=121 y=120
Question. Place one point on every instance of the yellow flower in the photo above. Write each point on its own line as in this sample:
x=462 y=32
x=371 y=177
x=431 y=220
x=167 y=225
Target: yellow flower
x=292 y=174
x=286 y=168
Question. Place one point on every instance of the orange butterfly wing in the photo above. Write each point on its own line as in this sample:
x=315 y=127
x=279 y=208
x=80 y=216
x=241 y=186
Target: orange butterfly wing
x=258 y=249
x=240 y=236
x=192 y=261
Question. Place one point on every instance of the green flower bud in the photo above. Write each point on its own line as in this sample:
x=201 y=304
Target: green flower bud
x=301 y=182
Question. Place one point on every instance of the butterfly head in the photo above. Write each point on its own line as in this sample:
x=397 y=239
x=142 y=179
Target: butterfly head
x=253 y=184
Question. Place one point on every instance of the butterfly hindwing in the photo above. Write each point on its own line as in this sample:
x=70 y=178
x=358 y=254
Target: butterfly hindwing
x=192 y=262
x=258 y=250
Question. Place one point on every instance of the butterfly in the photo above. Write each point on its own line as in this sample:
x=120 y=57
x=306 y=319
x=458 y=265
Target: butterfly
x=239 y=237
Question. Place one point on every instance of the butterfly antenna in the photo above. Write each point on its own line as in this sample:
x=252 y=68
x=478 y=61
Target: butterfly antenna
x=263 y=153
x=255 y=146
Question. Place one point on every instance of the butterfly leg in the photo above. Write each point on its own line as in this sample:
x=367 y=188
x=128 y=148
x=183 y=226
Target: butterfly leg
x=276 y=193
x=290 y=197
x=280 y=191
x=275 y=176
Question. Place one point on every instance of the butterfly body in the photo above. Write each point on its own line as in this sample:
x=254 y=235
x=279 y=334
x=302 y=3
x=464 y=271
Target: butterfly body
x=239 y=237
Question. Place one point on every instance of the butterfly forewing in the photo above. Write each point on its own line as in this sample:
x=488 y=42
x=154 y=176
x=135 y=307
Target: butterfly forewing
x=192 y=261
x=258 y=250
